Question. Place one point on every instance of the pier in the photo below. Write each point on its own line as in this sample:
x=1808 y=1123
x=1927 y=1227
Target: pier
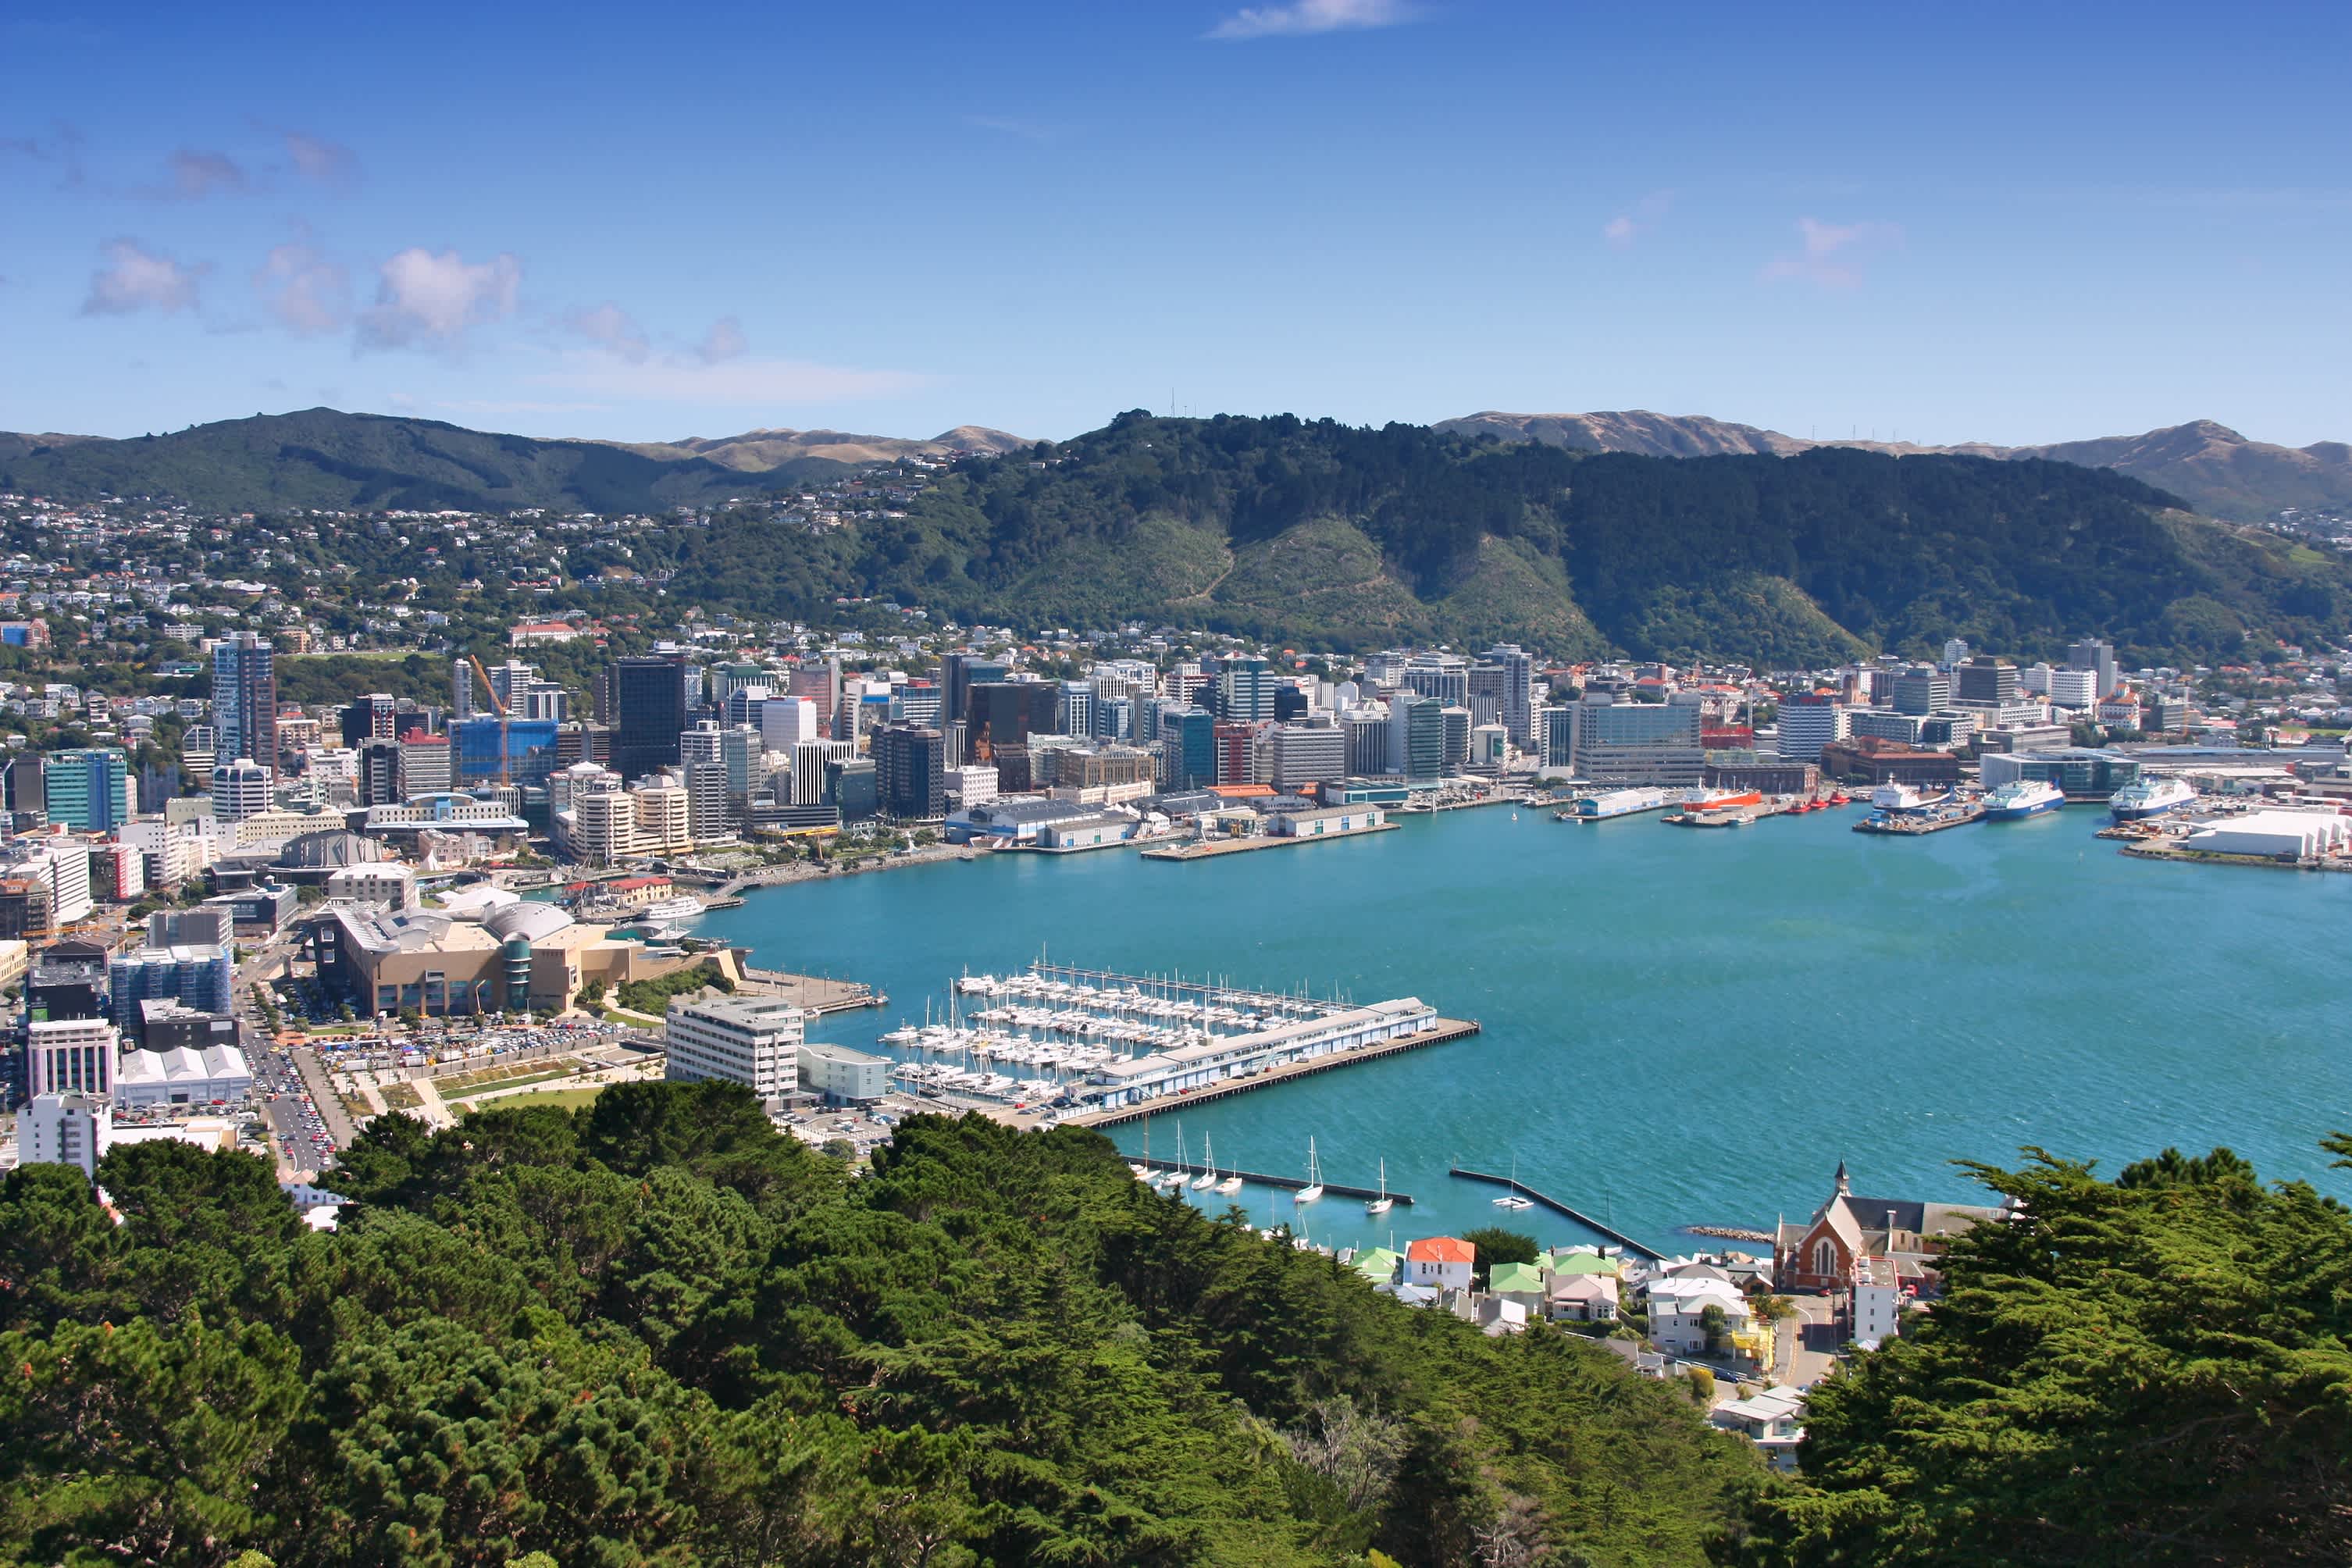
x=1438 y=1034
x=1606 y=1231
x=1209 y=848
x=812 y=992
x=1291 y=1183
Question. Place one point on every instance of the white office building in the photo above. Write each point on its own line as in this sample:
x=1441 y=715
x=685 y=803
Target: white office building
x=384 y=882
x=974 y=783
x=241 y=788
x=62 y=866
x=842 y=1076
x=1810 y=720
x=751 y=1040
x=2073 y=687
x=70 y=1056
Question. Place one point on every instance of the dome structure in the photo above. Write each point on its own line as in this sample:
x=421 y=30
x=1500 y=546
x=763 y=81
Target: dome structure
x=530 y=922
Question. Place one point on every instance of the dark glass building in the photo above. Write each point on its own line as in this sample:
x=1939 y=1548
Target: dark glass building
x=649 y=697
x=910 y=772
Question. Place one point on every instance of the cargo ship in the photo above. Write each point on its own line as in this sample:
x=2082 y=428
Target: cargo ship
x=2023 y=799
x=2150 y=797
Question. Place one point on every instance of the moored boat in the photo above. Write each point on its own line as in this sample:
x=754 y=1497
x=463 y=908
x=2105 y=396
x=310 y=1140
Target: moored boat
x=2021 y=798
x=2150 y=797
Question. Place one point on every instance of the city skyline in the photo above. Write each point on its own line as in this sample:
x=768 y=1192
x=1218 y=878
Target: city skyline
x=1362 y=208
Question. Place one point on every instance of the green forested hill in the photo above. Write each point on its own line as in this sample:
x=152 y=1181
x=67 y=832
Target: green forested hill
x=1325 y=533
x=322 y=457
x=655 y=1331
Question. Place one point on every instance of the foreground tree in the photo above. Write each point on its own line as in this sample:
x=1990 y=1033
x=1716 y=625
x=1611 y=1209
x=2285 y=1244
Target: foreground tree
x=2152 y=1370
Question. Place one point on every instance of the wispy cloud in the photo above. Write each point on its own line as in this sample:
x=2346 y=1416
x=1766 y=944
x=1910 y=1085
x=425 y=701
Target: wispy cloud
x=1833 y=254
x=322 y=161
x=611 y=327
x=1645 y=215
x=135 y=279
x=724 y=342
x=429 y=298
x=1301 y=18
x=307 y=292
x=59 y=150
x=196 y=174
x=1027 y=130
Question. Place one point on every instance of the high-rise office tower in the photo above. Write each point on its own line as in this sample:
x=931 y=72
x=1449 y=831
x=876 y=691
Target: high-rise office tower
x=245 y=698
x=910 y=772
x=649 y=696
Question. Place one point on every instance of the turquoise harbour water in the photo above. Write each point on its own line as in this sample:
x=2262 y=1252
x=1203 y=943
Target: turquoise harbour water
x=1681 y=1027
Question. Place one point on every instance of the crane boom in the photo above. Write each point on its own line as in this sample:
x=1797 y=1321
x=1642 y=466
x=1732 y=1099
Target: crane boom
x=506 y=718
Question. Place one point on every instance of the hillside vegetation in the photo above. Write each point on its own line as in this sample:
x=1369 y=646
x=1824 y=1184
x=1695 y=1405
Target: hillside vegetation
x=1323 y=533
x=324 y=459
x=654 y=1331
x=2215 y=469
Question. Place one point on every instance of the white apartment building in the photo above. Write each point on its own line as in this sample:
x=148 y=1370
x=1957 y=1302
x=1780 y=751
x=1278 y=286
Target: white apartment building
x=974 y=783
x=1809 y=722
x=786 y=721
x=2073 y=687
x=241 y=788
x=70 y=1056
x=751 y=1040
x=65 y=1129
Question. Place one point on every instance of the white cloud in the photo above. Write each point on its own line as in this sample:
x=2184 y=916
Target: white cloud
x=306 y=291
x=740 y=381
x=430 y=299
x=135 y=279
x=1646 y=215
x=1833 y=253
x=328 y=163
x=195 y=176
x=1304 y=17
x=724 y=342
x=611 y=327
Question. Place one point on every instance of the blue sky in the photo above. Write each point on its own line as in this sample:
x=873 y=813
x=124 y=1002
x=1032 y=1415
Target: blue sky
x=2009 y=224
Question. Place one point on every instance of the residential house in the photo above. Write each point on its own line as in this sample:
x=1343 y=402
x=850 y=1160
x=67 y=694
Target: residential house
x=1439 y=1262
x=1677 y=1311
x=1773 y=1420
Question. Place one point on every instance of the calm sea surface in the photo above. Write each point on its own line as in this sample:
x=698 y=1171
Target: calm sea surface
x=1681 y=1027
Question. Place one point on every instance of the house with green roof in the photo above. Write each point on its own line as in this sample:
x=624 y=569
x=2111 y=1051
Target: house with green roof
x=1520 y=1282
x=1377 y=1264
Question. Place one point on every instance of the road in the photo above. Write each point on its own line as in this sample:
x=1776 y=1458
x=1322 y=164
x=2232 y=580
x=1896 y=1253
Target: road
x=1807 y=1342
x=295 y=1104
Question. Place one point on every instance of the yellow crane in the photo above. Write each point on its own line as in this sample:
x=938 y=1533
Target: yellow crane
x=506 y=716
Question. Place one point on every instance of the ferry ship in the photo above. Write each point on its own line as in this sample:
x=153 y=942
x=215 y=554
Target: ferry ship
x=1616 y=803
x=1897 y=798
x=2150 y=797
x=2023 y=799
x=668 y=917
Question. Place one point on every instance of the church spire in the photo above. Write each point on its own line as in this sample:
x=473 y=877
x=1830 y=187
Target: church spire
x=1844 y=1188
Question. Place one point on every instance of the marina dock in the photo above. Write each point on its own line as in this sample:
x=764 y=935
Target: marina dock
x=1587 y=1221
x=1439 y=1033
x=1289 y=1184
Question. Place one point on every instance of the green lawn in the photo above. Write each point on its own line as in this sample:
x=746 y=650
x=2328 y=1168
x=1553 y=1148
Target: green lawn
x=569 y=1098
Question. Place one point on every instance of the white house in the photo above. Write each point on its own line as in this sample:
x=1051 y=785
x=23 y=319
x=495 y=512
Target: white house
x=1678 y=1306
x=1439 y=1262
x=1773 y=1420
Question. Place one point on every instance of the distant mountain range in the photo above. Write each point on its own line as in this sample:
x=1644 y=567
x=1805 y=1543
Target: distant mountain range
x=2211 y=467
x=758 y=451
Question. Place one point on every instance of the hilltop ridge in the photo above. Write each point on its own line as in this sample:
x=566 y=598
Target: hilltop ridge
x=2213 y=467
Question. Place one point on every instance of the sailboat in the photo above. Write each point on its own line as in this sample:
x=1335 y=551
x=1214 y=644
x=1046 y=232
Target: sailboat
x=1384 y=1203
x=1208 y=1178
x=1314 y=1187
x=1175 y=1180
x=1512 y=1200
x=1231 y=1185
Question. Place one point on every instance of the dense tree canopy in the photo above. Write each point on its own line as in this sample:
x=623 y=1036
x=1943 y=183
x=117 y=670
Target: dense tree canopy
x=2152 y=1370
x=655 y=1332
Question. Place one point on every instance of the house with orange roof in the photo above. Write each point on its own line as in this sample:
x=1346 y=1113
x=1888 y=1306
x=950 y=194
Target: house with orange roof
x=1439 y=1262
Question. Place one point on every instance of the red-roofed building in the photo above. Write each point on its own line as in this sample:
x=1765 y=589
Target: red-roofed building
x=633 y=892
x=1439 y=1262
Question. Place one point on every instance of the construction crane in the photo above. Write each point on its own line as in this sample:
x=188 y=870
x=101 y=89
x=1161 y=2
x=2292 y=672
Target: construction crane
x=506 y=718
